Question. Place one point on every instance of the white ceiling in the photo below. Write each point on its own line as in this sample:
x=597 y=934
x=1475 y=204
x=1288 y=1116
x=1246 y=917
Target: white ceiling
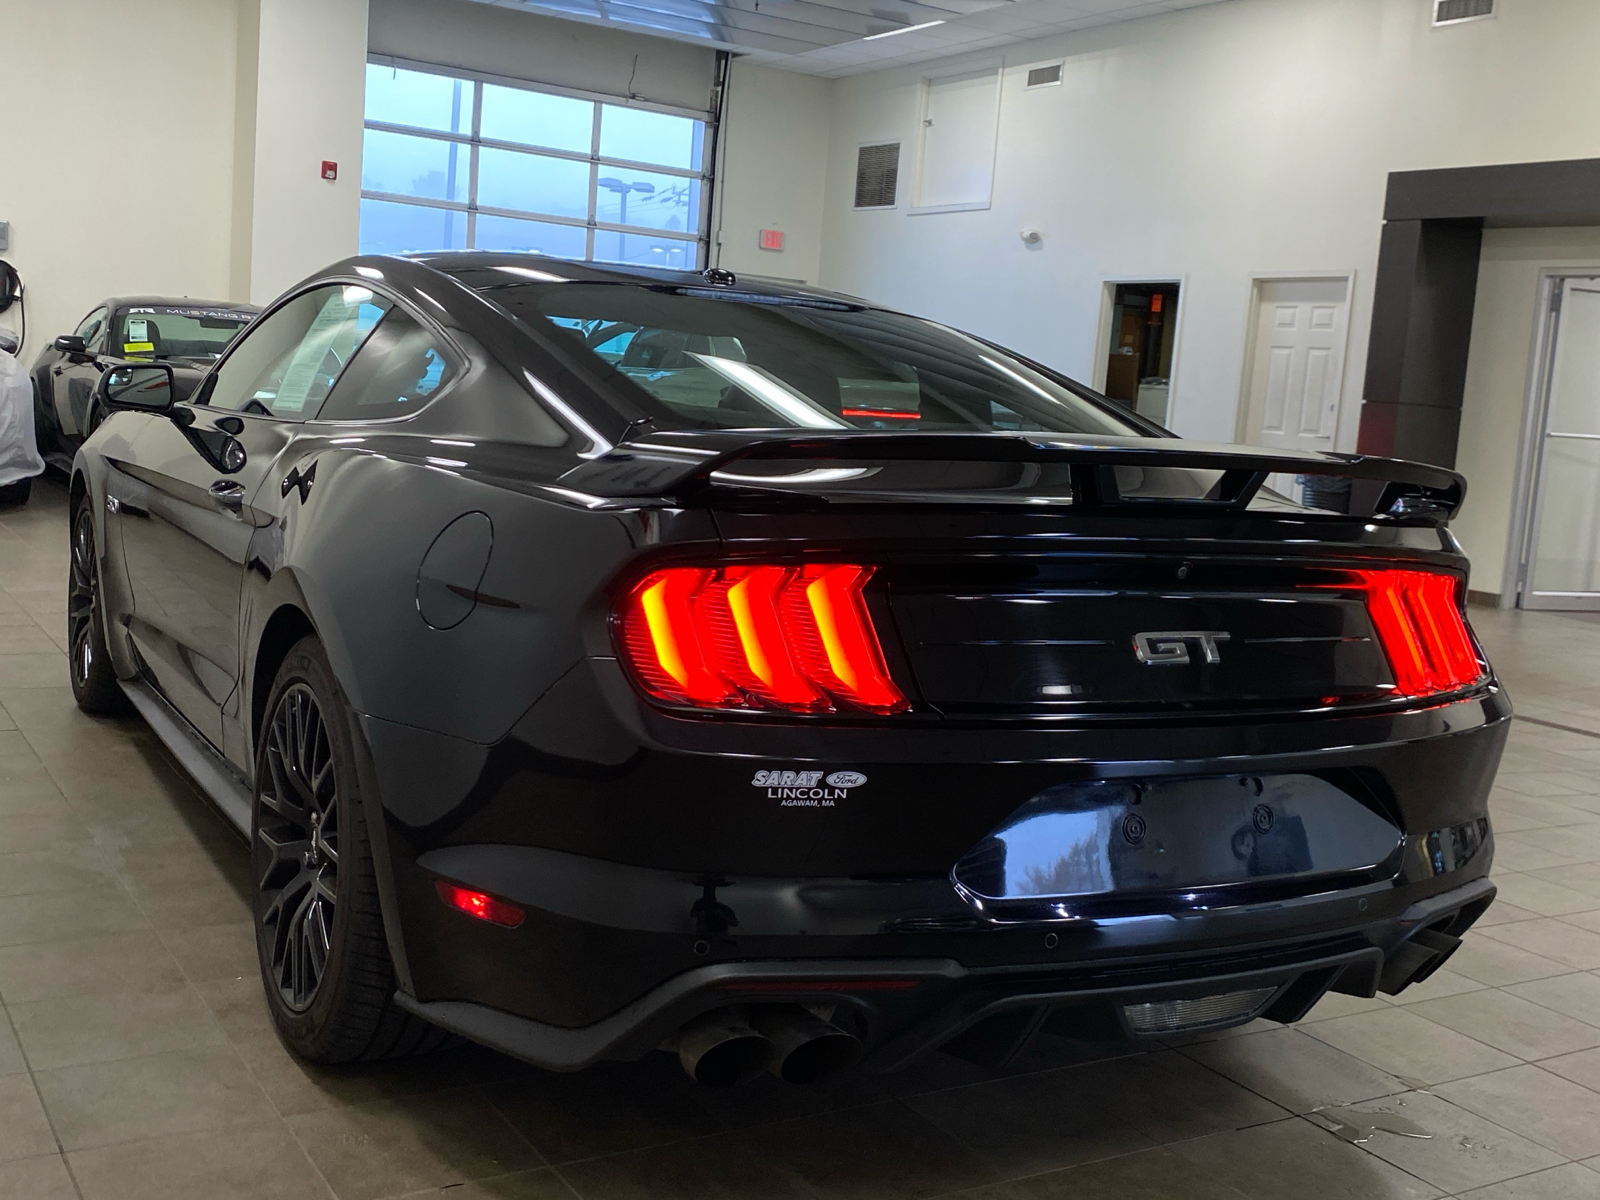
x=834 y=37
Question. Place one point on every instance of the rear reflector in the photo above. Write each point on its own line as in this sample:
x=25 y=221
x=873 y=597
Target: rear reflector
x=479 y=904
x=796 y=639
x=1422 y=630
x=1202 y=1012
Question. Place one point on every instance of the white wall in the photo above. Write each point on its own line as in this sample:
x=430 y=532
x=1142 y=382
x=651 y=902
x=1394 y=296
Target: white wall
x=1498 y=378
x=116 y=178
x=1253 y=136
x=525 y=45
x=773 y=171
x=310 y=95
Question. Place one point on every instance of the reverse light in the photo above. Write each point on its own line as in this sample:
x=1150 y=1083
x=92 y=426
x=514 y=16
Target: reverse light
x=792 y=638
x=479 y=904
x=1422 y=630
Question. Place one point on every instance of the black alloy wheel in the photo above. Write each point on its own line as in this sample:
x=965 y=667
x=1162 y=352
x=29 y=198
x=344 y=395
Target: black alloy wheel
x=320 y=937
x=94 y=680
x=297 y=846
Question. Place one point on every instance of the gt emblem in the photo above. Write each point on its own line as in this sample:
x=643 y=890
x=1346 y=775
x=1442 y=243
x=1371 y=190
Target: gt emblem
x=1171 y=647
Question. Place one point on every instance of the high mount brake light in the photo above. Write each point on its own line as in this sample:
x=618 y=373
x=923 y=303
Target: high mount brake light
x=792 y=638
x=1421 y=628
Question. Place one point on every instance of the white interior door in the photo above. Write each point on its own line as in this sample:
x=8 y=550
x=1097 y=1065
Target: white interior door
x=1297 y=368
x=1563 y=567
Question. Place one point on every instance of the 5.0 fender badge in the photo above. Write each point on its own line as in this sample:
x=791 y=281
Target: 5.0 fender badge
x=807 y=789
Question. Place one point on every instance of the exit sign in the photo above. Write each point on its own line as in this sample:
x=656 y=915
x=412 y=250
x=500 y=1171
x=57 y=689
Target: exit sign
x=772 y=239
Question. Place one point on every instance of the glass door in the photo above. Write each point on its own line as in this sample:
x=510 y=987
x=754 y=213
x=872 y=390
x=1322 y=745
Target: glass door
x=1562 y=570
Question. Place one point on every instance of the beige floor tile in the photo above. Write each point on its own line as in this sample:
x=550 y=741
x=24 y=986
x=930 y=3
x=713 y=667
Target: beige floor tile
x=178 y=1092
x=11 y=1060
x=1543 y=897
x=1554 y=1112
x=1147 y=1175
x=1552 y=938
x=1576 y=996
x=1295 y=1070
x=1403 y=1044
x=1465 y=1150
x=67 y=916
x=1443 y=982
x=215 y=952
x=1297 y=1159
x=63 y=868
x=1582 y=1067
x=24 y=1128
x=42 y=831
x=41 y=1178
x=1589 y=921
x=1569 y=1182
x=1496 y=963
x=1581 y=877
x=244 y=1162
x=395 y=1146
x=1337 y=1004
x=122 y=962
x=541 y=1184
x=67 y=1031
x=1510 y=1023
x=47 y=669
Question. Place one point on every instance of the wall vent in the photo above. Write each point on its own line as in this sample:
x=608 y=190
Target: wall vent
x=877 y=175
x=1046 y=76
x=1453 y=12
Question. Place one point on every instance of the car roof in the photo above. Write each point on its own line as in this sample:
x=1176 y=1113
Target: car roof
x=488 y=268
x=181 y=302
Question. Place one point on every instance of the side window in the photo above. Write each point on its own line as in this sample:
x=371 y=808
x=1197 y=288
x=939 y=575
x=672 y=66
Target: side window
x=93 y=330
x=397 y=371
x=286 y=366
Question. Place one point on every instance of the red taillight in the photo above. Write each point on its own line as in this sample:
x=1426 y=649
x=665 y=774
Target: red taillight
x=479 y=904
x=799 y=639
x=1421 y=629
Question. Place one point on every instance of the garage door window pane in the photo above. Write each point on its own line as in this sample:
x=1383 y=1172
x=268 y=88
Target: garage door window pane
x=644 y=198
x=416 y=98
x=642 y=250
x=537 y=119
x=504 y=233
x=532 y=183
x=650 y=137
x=415 y=166
x=388 y=228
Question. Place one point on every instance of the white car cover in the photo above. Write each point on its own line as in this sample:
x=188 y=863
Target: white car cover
x=19 y=455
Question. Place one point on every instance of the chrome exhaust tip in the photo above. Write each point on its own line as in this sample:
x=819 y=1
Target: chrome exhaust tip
x=719 y=1049
x=807 y=1049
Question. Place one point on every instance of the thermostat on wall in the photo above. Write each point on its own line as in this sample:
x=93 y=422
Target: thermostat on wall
x=330 y=169
x=772 y=239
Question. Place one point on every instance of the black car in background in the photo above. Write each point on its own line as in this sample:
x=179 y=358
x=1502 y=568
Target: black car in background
x=189 y=334
x=601 y=660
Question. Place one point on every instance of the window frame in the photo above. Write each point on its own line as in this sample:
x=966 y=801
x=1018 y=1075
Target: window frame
x=201 y=396
x=474 y=142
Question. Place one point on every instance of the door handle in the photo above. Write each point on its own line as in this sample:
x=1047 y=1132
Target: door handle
x=227 y=494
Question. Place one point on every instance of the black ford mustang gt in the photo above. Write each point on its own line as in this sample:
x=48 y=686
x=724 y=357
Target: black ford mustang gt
x=189 y=334
x=602 y=660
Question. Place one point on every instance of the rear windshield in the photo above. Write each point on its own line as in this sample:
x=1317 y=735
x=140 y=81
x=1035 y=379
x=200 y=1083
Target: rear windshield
x=167 y=331
x=699 y=360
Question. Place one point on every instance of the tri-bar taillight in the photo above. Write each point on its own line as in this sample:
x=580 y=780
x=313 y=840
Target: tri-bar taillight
x=794 y=639
x=1421 y=628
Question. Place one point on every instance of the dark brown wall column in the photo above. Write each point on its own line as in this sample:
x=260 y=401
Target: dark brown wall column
x=1421 y=330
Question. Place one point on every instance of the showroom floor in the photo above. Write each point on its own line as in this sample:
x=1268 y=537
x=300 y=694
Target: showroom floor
x=137 y=1061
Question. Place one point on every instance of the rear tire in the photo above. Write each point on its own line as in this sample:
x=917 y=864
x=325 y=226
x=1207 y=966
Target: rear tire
x=94 y=679
x=15 y=495
x=319 y=929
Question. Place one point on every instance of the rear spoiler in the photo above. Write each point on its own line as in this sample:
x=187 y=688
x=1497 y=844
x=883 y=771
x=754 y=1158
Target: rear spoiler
x=683 y=464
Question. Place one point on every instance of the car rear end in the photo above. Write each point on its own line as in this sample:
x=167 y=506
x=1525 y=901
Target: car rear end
x=933 y=741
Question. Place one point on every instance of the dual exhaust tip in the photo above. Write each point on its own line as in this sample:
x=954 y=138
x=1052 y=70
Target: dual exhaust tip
x=729 y=1046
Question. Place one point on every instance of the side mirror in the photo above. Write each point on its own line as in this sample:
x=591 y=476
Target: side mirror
x=142 y=388
x=71 y=343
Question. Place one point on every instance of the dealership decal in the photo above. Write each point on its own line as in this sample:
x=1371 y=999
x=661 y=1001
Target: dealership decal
x=807 y=789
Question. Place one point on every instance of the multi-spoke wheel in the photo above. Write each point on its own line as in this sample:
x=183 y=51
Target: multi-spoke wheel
x=297 y=846
x=319 y=928
x=94 y=680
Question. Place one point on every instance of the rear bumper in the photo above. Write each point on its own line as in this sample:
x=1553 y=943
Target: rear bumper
x=907 y=1006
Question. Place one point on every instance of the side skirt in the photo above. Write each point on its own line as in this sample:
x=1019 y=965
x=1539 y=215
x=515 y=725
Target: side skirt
x=219 y=779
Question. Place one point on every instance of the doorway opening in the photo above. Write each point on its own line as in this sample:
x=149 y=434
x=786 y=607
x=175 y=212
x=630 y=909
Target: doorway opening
x=1559 y=567
x=1138 y=355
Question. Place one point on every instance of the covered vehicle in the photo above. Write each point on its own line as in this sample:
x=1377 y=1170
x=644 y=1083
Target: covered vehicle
x=19 y=460
x=604 y=659
x=189 y=334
